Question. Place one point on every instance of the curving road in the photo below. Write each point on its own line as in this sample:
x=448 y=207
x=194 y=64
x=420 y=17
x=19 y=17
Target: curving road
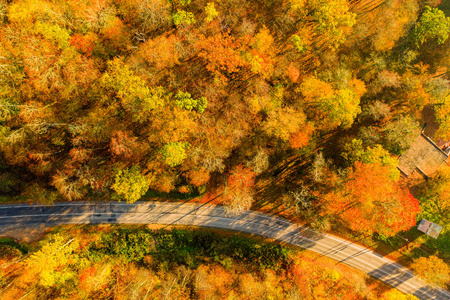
x=206 y=215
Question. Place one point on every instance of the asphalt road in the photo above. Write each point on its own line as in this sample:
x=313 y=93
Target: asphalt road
x=205 y=215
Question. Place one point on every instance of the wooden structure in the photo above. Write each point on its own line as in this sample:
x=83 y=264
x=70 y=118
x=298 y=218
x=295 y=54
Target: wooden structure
x=430 y=228
x=424 y=157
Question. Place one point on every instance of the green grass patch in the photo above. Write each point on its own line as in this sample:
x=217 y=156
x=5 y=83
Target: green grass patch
x=8 y=244
x=188 y=247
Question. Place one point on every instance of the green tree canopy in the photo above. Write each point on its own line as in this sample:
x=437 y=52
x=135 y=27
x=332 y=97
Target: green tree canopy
x=54 y=33
x=334 y=19
x=174 y=153
x=355 y=151
x=342 y=108
x=400 y=134
x=443 y=118
x=182 y=17
x=211 y=12
x=435 y=197
x=131 y=184
x=333 y=107
x=134 y=95
x=50 y=263
x=433 y=25
x=185 y=100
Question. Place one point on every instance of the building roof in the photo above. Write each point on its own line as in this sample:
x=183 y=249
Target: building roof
x=430 y=228
x=423 y=156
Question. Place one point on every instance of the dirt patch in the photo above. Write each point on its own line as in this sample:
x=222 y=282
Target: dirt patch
x=27 y=235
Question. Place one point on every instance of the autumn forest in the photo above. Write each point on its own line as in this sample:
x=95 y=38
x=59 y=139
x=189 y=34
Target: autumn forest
x=296 y=107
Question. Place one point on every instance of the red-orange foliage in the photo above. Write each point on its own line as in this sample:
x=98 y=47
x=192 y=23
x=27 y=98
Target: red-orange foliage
x=51 y=73
x=83 y=43
x=293 y=73
x=239 y=193
x=122 y=144
x=160 y=51
x=165 y=183
x=241 y=178
x=184 y=189
x=198 y=177
x=85 y=277
x=78 y=154
x=213 y=282
x=301 y=138
x=222 y=52
x=38 y=58
x=80 y=72
x=323 y=279
x=116 y=33
x=259 y=63
x=373 y=202
x=164 y=128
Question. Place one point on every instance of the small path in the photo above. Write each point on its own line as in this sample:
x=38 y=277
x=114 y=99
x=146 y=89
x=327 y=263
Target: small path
x=17 y=216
